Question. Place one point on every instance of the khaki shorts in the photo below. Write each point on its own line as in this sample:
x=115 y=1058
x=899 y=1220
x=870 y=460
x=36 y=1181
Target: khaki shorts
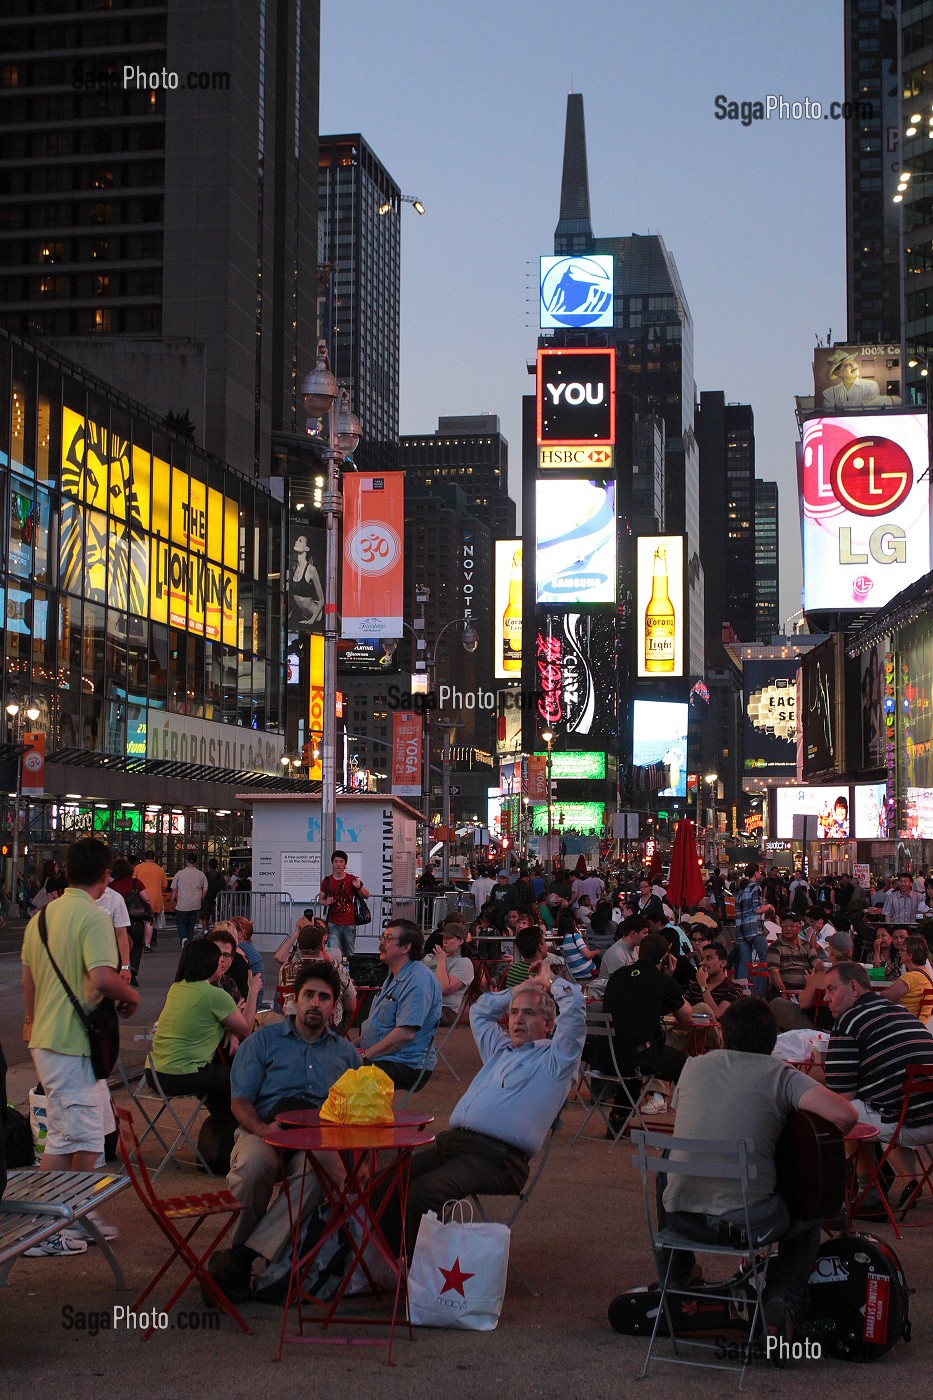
x=78 y=1110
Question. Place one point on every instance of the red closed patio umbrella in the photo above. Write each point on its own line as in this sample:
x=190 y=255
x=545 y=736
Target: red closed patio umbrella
x=685 y=885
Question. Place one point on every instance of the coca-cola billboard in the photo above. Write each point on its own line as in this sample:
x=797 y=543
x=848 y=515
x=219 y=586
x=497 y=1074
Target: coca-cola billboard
x=574 y=658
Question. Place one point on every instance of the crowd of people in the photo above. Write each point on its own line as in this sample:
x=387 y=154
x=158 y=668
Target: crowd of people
x=795 y=955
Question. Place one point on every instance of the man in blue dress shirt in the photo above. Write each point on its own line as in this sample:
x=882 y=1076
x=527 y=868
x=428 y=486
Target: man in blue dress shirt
x=501 y=1121
x=405 y=1013
x=290 y=1064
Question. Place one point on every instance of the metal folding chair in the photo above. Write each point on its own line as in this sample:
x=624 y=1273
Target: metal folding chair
x=601 y=1084
x=706 y=1159
x=423 y=1072
x=524 y=1196
x=917 y=1082
x=166 y=1103
x=444 y=1033
x=171 y=1214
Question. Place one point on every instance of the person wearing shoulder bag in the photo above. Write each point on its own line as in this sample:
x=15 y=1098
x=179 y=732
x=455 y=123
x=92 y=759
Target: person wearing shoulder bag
x=67 y=975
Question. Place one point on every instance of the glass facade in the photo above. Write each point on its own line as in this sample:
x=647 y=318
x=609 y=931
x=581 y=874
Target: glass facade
x=137 y=575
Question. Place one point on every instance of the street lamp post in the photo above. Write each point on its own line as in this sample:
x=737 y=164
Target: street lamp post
x=320 y=393
x=17 y=717
x=548 y=738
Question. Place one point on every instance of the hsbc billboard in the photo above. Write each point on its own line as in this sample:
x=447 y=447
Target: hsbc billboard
x=576 y=398
x=865 y=488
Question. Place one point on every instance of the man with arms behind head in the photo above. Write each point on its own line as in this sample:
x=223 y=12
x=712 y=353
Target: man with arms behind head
x=743 y=1092
x=503 y=1118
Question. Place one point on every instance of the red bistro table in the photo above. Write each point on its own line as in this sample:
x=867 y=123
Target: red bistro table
x=353 y=1197
x=311 y=1118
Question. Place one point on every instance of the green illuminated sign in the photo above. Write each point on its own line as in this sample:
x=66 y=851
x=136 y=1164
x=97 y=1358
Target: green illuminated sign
x=577 y=765
x=583 y=818
x=119 y=821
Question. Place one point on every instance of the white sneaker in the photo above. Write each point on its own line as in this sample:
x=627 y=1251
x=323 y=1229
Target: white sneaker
x=57 y=1247
x=656 y=1104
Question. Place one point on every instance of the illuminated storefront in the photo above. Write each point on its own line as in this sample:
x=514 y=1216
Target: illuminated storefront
x=142 y=595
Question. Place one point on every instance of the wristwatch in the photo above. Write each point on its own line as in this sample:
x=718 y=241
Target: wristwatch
x=126 y=968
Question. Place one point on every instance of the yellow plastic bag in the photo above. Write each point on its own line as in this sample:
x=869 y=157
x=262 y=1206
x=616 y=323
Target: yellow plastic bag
x=361 y=1095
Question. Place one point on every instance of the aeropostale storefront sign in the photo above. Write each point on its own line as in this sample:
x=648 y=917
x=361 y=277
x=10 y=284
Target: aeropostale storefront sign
x=182 y=739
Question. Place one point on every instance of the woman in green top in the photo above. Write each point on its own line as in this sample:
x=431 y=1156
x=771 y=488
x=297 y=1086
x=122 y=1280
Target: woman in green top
x=195 y=1021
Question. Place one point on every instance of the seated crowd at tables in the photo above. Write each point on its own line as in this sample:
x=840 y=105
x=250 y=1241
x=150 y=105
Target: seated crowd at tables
x=544 y=951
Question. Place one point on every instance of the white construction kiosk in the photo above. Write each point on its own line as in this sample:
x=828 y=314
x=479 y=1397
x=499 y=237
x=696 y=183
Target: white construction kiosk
x=378 y=834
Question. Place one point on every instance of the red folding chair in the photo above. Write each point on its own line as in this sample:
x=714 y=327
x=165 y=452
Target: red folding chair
x=925 y=1009
x=170 y=1213
x=918 y=1081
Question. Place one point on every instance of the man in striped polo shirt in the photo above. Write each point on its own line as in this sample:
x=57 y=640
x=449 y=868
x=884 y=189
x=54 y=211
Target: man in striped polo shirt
x=872 y=1043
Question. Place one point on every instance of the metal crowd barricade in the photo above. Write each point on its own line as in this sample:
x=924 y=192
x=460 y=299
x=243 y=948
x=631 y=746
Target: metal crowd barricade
x=274 y=913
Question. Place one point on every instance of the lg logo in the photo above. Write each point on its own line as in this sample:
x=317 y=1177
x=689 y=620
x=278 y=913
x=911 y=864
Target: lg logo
x=574 y=394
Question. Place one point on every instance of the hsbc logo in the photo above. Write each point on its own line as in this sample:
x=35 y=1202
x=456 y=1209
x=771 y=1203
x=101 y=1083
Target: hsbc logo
x=577 y=393
x=576 y=397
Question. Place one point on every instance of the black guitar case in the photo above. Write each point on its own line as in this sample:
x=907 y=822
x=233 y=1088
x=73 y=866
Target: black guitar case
x=859 y=1303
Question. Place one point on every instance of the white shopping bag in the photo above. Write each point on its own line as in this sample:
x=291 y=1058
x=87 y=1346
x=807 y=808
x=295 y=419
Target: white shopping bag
x=458 y=1274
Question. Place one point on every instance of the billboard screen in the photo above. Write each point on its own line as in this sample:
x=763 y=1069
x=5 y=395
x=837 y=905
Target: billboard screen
x=369 y=656
x=581 y=818
x=659 y=735
x=576 y=765
x=507 y=610
x=576 y=398
x=660 y=605
x=576 y=291
x=770 y=707
x=847 y=377
x=830 y=805
x=145 y=536
x=821 y=699
x=306 y=551
x=918 y=814
x=866 y=509
x=872 y=687
x=575 y=677
x=870 y=811
x=575 y=541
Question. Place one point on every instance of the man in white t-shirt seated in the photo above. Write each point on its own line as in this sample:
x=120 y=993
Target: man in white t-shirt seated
x=624 y=952
x=742 y=1092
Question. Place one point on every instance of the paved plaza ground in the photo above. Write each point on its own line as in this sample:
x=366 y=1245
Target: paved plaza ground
x=581 y=1241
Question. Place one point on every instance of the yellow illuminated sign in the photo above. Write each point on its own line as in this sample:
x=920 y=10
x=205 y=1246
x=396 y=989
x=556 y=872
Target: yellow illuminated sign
x=167 y=550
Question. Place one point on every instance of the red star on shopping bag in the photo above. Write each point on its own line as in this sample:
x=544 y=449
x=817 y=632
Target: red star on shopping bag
x=454 y=1278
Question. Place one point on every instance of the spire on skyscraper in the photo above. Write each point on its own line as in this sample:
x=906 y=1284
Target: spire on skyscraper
x=574 y=227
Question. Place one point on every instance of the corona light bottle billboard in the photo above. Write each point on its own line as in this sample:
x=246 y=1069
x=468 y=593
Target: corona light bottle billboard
x=660 y=620
x=512 y=618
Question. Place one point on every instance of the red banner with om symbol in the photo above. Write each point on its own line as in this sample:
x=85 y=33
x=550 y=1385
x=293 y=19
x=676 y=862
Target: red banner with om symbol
x=373 y=554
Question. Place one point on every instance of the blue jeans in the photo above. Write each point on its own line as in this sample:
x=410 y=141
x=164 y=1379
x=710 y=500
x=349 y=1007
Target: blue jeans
x=184 y=922
x=341 y=938
x=751 y=949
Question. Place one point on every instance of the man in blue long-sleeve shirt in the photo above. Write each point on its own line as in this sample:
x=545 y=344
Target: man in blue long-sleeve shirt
x=503 y=1118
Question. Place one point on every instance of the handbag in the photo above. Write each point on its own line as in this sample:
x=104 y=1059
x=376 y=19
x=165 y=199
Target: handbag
x=361 y=910
x=102 y=1024
x=458 y=1271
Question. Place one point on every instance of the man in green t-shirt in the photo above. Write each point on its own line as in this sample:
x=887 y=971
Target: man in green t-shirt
x=81 y=940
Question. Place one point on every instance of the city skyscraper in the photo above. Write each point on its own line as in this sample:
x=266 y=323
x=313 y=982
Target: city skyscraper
x=873 y=224
x=767 y=561
x=726 y=440
x=652 y=334
x=470 y=452
x=166 y=239
x=360 y=208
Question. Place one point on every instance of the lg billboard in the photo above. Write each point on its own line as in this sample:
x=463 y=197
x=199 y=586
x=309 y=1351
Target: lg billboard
x=866 y=509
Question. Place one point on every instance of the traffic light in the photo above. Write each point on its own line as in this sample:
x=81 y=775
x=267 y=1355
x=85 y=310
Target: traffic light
x=505 y=843
x=4 y=850
x=307 y=755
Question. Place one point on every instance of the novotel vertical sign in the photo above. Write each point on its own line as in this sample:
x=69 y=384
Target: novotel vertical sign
x=576 y=397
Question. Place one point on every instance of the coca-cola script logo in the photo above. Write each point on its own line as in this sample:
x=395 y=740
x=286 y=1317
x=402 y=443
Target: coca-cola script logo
x=568 y=695
x=373 y=548
x=871 y=476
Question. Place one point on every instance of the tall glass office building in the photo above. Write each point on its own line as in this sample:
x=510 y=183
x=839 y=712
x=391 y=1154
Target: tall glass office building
x=142 y=596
